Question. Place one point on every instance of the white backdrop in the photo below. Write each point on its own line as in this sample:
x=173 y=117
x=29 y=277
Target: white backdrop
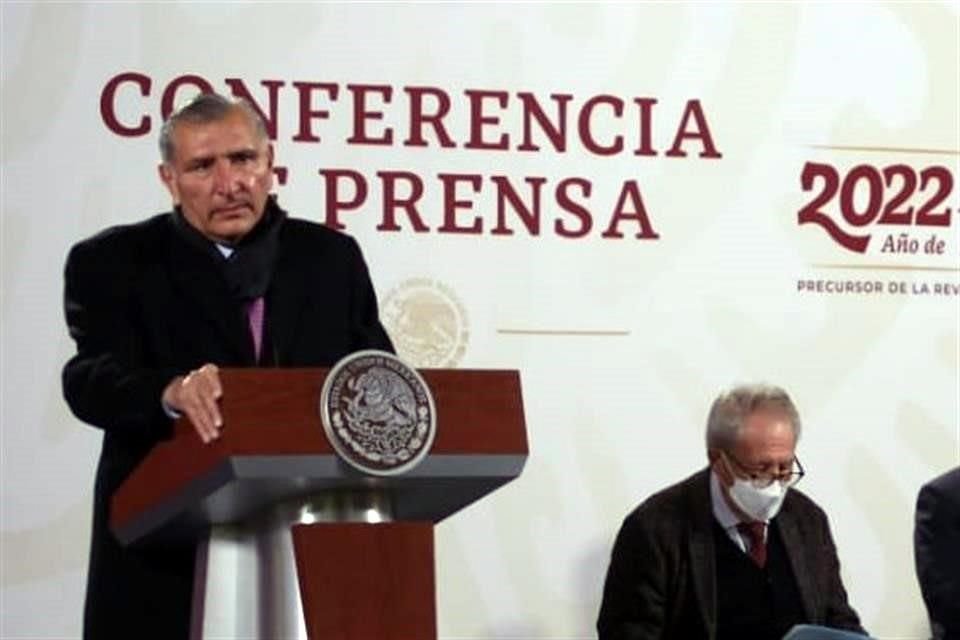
x=621 y=342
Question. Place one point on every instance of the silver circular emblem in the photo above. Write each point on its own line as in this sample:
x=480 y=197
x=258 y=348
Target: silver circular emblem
x=378 y=413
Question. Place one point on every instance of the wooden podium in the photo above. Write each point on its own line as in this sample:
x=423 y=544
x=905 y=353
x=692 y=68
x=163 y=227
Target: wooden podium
x=355 y=550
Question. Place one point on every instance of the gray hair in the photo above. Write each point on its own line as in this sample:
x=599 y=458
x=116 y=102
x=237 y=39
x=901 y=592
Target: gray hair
x=204 y=108
x=731 y=408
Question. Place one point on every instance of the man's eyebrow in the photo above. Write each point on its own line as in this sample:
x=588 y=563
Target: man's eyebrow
x=779 y=464
x=199 y=161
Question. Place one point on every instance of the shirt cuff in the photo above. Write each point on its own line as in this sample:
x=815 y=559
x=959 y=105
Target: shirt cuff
x=172 y=413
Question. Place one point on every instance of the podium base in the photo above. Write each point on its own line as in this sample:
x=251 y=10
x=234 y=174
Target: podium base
x=331 y=568
x=245 y=586
x=361 y=581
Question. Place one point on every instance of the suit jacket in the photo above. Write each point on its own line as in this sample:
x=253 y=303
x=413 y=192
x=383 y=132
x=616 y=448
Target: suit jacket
x=144 y=306
x=937 y=552
x=662 y=581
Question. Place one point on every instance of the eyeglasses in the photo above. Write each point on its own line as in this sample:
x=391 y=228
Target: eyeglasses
x=762 y=479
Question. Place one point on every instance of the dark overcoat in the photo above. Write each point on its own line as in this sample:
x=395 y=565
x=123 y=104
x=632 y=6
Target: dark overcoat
x=144 y=306
x=662 y=582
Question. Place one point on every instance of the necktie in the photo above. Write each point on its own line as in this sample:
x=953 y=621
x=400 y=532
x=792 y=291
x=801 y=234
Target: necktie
x=255 y=321
x=753 y=531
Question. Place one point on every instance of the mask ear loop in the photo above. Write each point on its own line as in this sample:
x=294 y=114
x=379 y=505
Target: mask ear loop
x=728 y=466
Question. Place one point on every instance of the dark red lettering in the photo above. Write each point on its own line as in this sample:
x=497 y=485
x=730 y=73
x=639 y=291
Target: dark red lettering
x=334 y=205
x=307 y=112
x=584 y=125
x=478 y=119
x=451 y=204
x=645 y=142
x=418 y=118
x=168 y=101
x=701 y=132
x=108 y=104
x=570 y=206
x=556 y=133
x=630 y=191
x=529 y=216
x=239 y=89
x=361 y=114
x=392 y=202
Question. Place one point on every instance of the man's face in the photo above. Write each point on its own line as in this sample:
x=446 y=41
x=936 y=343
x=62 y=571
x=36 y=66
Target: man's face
x=220 y=175
x=766 y=446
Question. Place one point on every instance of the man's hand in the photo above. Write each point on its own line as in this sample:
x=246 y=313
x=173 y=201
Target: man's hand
x=197 y=396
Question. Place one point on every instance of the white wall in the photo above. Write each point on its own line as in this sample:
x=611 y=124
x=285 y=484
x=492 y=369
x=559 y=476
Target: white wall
x=613 y=413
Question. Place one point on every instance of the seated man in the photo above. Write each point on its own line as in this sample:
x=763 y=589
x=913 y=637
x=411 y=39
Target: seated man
x=937 y=547
x=732 y=551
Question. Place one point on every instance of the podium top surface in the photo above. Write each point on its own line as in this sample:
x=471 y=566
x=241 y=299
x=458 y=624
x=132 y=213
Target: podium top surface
x=273 y=450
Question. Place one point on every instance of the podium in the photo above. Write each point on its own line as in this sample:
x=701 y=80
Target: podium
x=299 y=544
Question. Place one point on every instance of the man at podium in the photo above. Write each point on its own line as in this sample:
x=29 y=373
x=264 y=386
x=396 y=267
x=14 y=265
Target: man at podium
x=224 y=279
x=733 y=551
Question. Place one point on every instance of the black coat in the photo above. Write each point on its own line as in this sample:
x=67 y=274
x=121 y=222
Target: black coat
x=144 y=306
x=662 y=580
x=937 y=549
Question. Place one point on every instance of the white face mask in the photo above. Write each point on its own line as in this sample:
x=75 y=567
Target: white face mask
x=759 y=504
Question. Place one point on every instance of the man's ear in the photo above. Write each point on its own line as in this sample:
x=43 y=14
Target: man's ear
x=169 y=181
x=271 y=177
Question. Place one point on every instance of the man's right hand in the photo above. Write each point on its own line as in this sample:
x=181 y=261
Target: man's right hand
x=197 y=396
